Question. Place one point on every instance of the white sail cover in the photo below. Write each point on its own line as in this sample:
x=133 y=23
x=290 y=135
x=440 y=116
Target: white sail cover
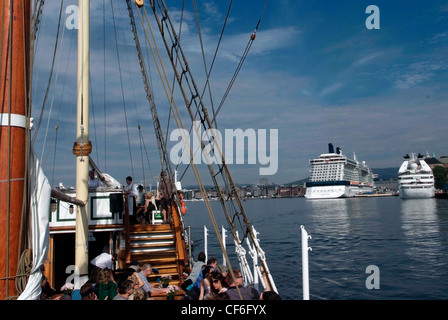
x=40 y=211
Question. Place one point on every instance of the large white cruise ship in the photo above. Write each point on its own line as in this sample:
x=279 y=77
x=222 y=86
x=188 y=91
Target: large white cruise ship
x=334 y=175
x=415 y=178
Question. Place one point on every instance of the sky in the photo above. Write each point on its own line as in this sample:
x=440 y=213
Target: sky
x=317 y=73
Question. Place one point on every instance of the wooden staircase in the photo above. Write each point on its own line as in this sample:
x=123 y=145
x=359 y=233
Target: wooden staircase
x=155 y=244
x=161 y=245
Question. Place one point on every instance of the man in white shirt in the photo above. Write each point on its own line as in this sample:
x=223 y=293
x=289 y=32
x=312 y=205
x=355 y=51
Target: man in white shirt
x=131 y=190
x=94 y=182
x=102 y=261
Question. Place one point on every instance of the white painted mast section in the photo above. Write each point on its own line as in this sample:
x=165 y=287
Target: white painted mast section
x=82 y=139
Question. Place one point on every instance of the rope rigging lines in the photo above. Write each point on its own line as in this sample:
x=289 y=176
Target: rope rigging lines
x=240 y=64
x=50 y=77
x=193 y=98
x=56 y=85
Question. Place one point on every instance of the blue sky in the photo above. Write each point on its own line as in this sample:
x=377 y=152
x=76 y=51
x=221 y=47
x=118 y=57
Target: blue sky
x=315 y=73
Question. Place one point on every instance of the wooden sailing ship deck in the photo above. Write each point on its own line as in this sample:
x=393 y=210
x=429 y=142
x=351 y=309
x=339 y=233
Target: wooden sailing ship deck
x=161 y=245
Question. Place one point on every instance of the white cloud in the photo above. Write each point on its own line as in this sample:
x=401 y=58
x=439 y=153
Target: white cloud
x=334 y=87
x=417 y=73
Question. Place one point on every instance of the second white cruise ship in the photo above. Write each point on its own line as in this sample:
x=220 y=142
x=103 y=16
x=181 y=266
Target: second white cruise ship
x=334 y=175
x=415 y=178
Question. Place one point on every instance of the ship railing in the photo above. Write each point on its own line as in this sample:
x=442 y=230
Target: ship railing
x=251 y=273
x=253 y=278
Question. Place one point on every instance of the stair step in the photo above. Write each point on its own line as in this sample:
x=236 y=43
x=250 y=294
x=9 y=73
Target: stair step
x=143 y=241
x=159 y=259
x=163 y=249
x=158 y=235
x=149 y=227
x=164 y=271
x=165 y=266
x=151 y=243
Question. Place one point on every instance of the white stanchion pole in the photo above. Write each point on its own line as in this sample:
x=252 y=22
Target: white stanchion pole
x=206 y=243
x=305 y=270
x=224 y=236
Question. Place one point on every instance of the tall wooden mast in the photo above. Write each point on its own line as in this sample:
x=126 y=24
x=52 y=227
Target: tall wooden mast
x=14 y=76
x=83 y=146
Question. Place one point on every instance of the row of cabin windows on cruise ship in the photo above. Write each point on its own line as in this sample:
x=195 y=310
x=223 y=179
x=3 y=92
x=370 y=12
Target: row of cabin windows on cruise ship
x=330 y=172
x=330 y=168
x=412 y=178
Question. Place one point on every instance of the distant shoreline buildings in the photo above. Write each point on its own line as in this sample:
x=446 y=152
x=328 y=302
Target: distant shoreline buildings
x=263 y=190
x=266 y=190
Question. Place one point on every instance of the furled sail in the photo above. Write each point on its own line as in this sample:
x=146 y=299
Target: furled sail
x=40 y=213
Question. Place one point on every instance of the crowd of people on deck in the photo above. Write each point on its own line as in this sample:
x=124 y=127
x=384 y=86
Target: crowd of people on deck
x=210 y=281
x=107 y=284
x=140 y=202
x=205 y=281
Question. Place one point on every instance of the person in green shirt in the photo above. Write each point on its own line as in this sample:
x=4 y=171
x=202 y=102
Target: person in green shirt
x=107 y=288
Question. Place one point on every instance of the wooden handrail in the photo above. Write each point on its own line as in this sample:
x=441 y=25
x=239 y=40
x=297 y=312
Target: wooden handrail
x=179 y=241
x=127 y=231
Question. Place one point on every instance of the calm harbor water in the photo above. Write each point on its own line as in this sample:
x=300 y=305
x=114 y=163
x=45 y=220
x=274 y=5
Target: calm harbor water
x=406 y=239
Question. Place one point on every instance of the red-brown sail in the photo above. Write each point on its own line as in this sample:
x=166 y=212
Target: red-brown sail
x=14 y=50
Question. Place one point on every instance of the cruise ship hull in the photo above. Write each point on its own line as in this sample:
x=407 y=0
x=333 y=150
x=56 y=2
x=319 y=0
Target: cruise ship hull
x=417 y=192
x=341 y=189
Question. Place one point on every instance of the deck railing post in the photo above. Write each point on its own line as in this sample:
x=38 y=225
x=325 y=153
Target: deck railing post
x=206 y=242
x=224 y=236
x=305 y=271
x=253 y=254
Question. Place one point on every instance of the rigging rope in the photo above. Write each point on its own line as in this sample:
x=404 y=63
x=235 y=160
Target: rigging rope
x=54 y=92
x=51 y=75
x=208 y=73
x=240 y=64
x=166 y=28
x=24 y=267
x=141 y=138
x=203 y=58
x=35 y=22
x=148 y=90
x=122 y=89
x=104 y=84
x=174 y=77
x=194 y=166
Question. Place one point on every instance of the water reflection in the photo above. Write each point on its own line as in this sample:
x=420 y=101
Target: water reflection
x=330 y=216
x=421 y=229
x=406 y=239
